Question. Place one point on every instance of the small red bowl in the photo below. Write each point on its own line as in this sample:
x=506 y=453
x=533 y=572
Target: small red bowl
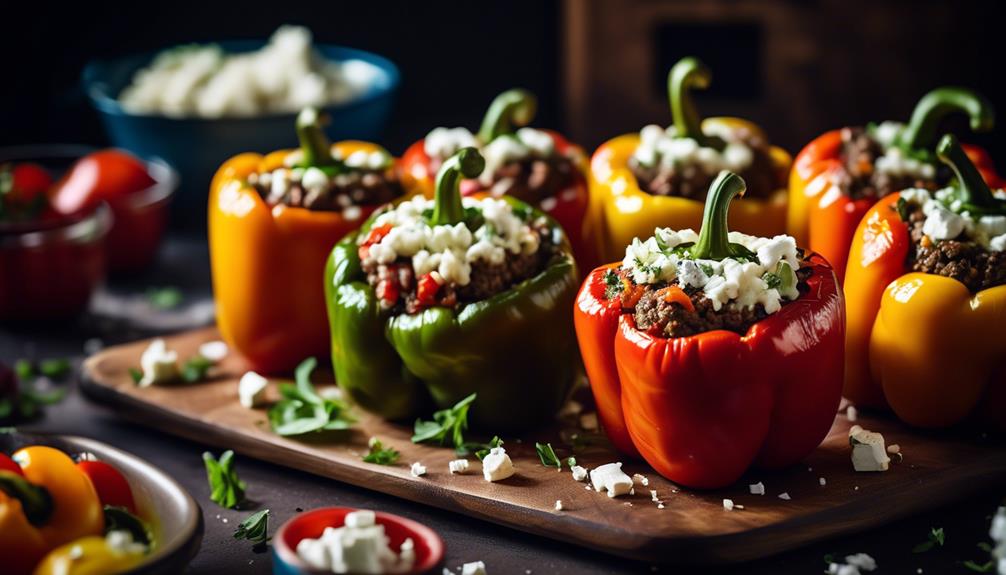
x=311 y=524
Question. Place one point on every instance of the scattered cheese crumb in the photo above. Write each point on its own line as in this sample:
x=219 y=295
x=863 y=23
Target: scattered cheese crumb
x=418 y=469
x=458 y=466
x=214 y=351
x=728 y=504
x=660 y=505
x=894 y=448
x=851 y=413
x=868 y=452
x=473 y=568
x=558 y=504
x=757 y=488
x=653 y=496
x=785 y=496
x=640 y=479
x=610 y=477
x=822 y=481
x=497 y=465
x=251 y=390
x=579 y=473
x=632 y=491
x=158 y=364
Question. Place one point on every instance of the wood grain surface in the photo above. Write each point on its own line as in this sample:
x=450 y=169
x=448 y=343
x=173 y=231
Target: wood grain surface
x=693 y=527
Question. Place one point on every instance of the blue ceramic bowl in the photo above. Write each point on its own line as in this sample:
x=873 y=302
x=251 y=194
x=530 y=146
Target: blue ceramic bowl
x=197 y=146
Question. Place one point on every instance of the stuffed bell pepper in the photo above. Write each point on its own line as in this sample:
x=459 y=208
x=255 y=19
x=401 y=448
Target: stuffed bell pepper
x=272 y=222
x=432 y=300
x=539 y=167
x=659 y=177
x=840 y=175
x=711 y=352
x=926 y=284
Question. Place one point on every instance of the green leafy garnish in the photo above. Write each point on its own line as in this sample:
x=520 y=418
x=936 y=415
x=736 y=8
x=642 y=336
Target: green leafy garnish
x=195 y=368
x=254 y=528
x=547 y=455
x=902 y=208
x=985 y=547
x=771 y=280
x=381 y=455
x=136 y=374
x=523 y=212
x=494 y=442
x=120 y=519
x=612 y=284
x=302 y=410
x=164 y=298
x=54 y=368
x=980 y=567
x=226 y=488
x=936 y=538
x=448 y=425
x=26 y=402
x=24 y=369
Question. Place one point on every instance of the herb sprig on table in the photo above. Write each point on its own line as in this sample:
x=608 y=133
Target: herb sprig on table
x=936 y=538
x=301 y=410
x=494 y=442
x=226 y=488
x=448 y=426
x=547 y=455
x=254 y=528
x=379 y=454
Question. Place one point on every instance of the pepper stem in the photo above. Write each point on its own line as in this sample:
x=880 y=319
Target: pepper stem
x=972 y=186
x=687 y=74
x=314 y=144
x=921 y=133
x=509 y=110
x=447 y=208
x=714 y=241
x=36 y=503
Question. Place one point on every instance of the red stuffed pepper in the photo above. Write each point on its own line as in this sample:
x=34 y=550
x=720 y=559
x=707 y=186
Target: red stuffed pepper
x=539 y=167
x=709 y=353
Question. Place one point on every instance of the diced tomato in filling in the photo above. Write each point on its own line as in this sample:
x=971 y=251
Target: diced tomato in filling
x=376 y=235
x=426 y=289
x=387 y=291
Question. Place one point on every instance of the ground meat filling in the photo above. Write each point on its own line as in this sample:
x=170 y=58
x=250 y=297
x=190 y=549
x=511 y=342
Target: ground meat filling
x=961 y=259
x=357 y=187
x=535 y=179
x=859 y=177
x=654 y=314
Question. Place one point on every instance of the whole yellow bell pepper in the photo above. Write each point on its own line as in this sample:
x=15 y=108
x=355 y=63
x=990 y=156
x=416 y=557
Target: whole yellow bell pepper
x=268 y=261
x=923 y=344
x=88 y=556
x=623 y=211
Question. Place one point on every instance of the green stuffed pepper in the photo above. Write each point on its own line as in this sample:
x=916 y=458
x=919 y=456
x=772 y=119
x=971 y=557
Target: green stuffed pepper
x=432 y=300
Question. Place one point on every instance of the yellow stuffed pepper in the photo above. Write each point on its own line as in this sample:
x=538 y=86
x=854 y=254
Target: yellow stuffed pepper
x=272 y=223
x=659 y=178
x=926 y=293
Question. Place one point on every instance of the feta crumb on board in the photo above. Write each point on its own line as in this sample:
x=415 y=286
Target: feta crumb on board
x=851 y=413
x=458 y=466
x=417 y=469
x=868 y=451
x=640 y=479
x=579 y=473
x=474 y=568
x=757 y=488
x=822 y=481
x=558 y=504
x=214 y=351
x=610 y=478
x=854 y=565
x=785 y=496
x=251 y=389
x=496 y=466
x=728 y=504
x=158 y=364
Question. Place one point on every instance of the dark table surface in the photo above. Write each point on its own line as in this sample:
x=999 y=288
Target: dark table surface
x=184 y=263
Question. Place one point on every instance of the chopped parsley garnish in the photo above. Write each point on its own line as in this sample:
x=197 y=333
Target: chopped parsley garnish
x=120 y=519
x=54 y=368
x=522 y=212
x=448 y=425
x=771 y=280
x=381 y=455
x=494 y=442
x=902 y=208
x=135 y=374
x=936 y=539
x=24 y=369
x=164 y=298
x=547 y=455
x=195 y=368
x=301 y=410
x=226 y=488
x=254 y=528
x=612 y=284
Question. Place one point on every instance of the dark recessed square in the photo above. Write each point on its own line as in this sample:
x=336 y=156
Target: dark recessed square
x=732 y=51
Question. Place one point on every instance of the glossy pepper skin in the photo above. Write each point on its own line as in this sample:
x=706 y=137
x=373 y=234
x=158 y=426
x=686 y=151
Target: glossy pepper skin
x=923 y=344
x=624 y=211
x=267 y=260
x=87 y=556
x=515 y=349
x=703 y=409
x=60 y=505
x=821 y=217
x=571 y=206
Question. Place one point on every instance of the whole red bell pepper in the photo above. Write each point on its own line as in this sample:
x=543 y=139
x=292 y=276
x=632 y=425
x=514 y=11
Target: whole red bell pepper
x=570 y=206
x=703 y=409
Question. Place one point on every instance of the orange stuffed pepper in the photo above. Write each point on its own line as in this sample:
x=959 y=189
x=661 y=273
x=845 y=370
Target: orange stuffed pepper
x=926 y=289
x=837 y=177
x=659 y=178
x=273 y=220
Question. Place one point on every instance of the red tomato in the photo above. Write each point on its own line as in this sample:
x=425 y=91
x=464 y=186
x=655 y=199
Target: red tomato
x=112 y=487
x=30 y=180
x=426 y=289
x=104 y=175
x=8 y=464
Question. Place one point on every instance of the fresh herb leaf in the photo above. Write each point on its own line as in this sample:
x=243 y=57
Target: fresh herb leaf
x=985 y=546
x=24 y=369
x=254 y=528
x=547 y=455
x=902 y=208
x=772 y=281
x=448 y=425
x=613 y=286
x=980 y=567
x=27 y=401
x=473 y=218
x=523 y=212
x=226 y=488
x=54 y=368
x=136 y=374
x=196 y=368
x=494 y=442
x=936 y=538
x=120 y=519
x=381 y=455
x=301 y=410
x=164 y=298
x=571 y=461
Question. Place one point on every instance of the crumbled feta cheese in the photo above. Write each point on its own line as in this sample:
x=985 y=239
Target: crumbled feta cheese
x=757 y=488
x=121 y=541
x=445 y=142
x=588 y=421
x=214 y=351
x=417 y=469
x=314 y=180
x=664 y=147
x=653 y=496
x=579 y=473
x=610 y=477
x=822 y=481
x=943 y=224
x=458 y=466
x=640 y=479
x=497 y=466
x=893 y=448
x=947 y=218
x=895 y=163
x=558 y=504
x=868 y=452
x=359 y=546
x=785 y=496
x=251 y=389
x=158 y=364
x=728 y=504
x=474 y=568
x=851 y=413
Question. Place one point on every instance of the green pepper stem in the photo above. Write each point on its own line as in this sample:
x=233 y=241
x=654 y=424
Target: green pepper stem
x=314 y=144
x=36 y=503
x=509 y=110
x=921 y=133
x=687 y=74
x=447 y=208
x=714 y=241
x=973 y=187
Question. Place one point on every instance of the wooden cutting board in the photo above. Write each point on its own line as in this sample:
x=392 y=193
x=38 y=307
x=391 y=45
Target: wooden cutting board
x=692 y=527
